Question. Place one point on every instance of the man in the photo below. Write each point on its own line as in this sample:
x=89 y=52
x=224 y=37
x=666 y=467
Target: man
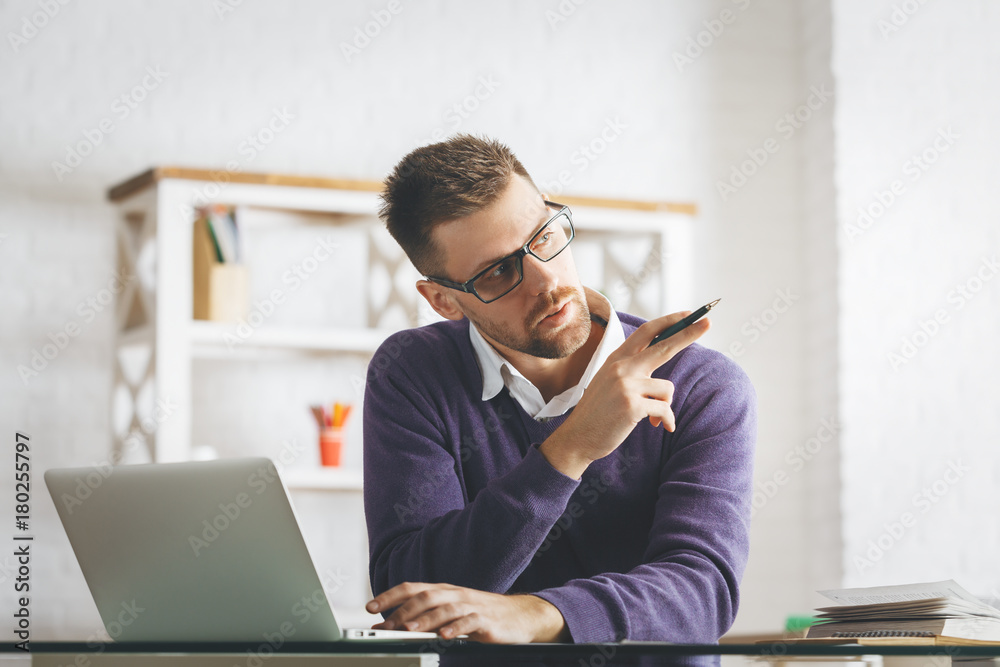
x=534 y=471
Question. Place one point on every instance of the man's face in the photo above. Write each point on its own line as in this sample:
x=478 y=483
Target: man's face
x=544 y=316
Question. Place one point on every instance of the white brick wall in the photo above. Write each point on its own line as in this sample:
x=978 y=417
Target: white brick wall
x=554 y=88
x=64 y=408
x=749 y=247
x=905 y=71
x=820 y=446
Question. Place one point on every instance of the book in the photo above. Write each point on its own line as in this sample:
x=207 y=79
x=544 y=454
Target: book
x=940 y=613
x=224 y=232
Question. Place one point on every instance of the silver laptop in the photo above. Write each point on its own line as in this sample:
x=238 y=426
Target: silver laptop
x=197 y=551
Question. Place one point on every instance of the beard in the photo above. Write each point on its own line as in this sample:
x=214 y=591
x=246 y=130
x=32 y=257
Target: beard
x=556 y=344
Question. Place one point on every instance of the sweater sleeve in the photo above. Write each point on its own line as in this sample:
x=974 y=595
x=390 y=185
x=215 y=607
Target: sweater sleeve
x=686 y=588
x=420 y=526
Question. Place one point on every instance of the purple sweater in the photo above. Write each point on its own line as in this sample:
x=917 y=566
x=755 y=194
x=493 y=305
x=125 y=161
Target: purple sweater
x=650 y=544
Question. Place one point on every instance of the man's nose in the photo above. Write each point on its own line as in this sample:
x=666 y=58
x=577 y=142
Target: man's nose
x=539 y=277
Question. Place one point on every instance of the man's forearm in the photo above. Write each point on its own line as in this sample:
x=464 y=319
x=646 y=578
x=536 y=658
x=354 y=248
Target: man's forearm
x=549 y=622
x=498 y=532
x=559 y=451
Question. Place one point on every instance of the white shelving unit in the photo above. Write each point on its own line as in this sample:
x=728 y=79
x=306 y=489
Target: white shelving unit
x=331 y=479
x=154 y=238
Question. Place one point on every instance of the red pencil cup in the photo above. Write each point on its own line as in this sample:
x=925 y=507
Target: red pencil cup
x=331 y=442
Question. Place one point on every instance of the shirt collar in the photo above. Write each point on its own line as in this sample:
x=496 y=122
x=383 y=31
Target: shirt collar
x=490 y=363
x=498 y=372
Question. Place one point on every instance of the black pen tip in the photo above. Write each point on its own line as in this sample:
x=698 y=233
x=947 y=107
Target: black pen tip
x=712 y=305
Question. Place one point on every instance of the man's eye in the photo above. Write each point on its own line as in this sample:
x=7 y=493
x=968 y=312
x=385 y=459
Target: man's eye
x=498 y=271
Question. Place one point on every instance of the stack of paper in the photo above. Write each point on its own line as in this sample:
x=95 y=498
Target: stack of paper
x=935 y=610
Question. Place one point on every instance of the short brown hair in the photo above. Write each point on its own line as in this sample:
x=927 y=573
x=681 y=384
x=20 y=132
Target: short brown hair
x=442 y=182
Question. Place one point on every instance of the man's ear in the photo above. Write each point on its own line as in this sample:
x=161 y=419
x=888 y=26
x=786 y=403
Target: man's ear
x=439 y=299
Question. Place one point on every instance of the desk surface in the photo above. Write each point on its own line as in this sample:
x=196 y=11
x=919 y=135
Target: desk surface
x=574 y=652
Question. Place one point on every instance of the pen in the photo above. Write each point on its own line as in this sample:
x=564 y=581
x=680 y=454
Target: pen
x=685 y=323
x=318 y=414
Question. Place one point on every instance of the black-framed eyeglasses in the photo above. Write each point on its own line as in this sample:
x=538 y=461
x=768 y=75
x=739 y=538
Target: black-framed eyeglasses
x=502 y=276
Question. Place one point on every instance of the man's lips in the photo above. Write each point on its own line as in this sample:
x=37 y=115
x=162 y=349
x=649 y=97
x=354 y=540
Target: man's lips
x=558 y=299
x=555 y=311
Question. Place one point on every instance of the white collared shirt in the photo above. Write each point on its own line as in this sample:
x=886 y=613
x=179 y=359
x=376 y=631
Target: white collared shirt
x=498 y=372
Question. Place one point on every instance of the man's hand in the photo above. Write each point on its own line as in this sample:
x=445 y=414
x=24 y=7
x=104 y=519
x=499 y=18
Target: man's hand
x=621 y=394
x=484 y=617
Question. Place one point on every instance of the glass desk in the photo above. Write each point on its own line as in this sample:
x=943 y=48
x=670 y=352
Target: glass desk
x=434 y=652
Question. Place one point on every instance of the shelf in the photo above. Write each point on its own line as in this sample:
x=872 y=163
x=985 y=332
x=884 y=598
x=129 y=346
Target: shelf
x=328 y=479
x=157 y=207
x=210 y=338
x=123 y=191
x=141 y=335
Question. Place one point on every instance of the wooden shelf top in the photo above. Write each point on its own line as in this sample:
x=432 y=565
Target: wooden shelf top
x=150 y=177
x=156 y=174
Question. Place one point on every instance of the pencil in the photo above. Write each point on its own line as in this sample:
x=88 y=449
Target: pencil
x=685 y=323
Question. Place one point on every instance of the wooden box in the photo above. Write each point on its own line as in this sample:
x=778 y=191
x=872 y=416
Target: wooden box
x=220 y=289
